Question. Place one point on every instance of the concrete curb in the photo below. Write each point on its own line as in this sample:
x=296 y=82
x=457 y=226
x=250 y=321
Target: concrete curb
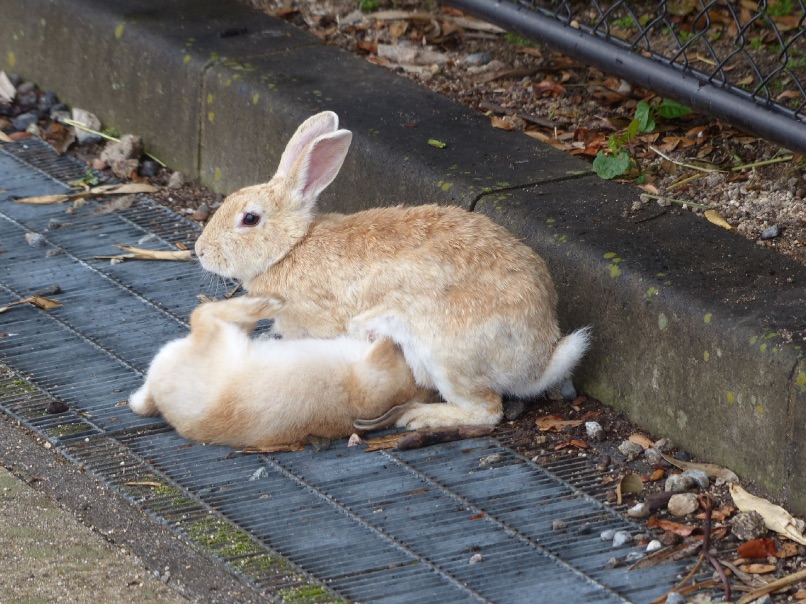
x=699 y=333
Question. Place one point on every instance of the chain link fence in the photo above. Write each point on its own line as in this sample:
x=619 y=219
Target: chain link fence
x=741 y=61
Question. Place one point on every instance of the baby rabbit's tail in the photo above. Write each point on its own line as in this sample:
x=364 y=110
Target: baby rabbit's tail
x=567 y=354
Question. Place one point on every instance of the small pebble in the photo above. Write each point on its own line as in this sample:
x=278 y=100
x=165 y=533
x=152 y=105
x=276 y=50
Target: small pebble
x=604 y=463
x=699 y=477
x=664 y=445
x=129 y=147
x=558 y=525
x=607 y=535
x=258 y=474
x=771 y=232
x=595 y=431
x=149 y=168
x=35 y=239
x=49 y=290
x=54 y=224
x=678 y=482
x=23 y=121
x=653 y=456
x=491 y=459
x=56 y=407
x=683 y=504
x=633 y=557
x=683 y=456
x=99 y=164
x=513 y=409
x=54 y=251
x=47 y=101
x=475 y=559
x=630 y=449
x=176 y=180
x=675 y=598
x=568 y=391
x=201 y=214
x=639 y=510
x=84 y=137
x=653 y=546
x=26 y=94
x=747 y=526
x=621 y=538
x=613 y=563
x=584 y=529
x=477 y=58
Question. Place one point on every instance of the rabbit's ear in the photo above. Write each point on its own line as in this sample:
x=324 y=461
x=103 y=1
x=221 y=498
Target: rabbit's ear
x=308 y=131
x=318 y=166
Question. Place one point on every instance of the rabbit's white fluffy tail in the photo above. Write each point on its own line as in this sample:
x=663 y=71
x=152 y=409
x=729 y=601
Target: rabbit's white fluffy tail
x=567 y=354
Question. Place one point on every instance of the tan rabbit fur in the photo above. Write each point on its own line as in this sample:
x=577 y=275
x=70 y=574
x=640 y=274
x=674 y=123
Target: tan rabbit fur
x=217 y=385
x=473 y=308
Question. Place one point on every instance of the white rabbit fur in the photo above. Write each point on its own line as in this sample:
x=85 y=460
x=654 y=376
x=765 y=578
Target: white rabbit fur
x=472 y=307
x=218 y=385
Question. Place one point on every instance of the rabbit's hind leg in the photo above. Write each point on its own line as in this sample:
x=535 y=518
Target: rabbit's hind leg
x=472 y=408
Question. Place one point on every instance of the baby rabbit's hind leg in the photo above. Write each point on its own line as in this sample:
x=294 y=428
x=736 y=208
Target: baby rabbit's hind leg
x=472 y=409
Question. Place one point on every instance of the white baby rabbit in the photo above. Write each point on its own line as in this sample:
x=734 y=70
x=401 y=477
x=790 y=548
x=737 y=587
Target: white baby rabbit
x=217 y=385
x=472 y=307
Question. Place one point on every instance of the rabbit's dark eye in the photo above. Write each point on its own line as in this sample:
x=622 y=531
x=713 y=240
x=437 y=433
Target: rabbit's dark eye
x=250 y=219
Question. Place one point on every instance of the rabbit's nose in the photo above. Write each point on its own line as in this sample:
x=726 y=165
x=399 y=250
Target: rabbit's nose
x=199 y=249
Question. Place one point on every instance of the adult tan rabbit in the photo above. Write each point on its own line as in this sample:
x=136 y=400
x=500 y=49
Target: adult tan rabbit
x=217 y=385
x=473 y=308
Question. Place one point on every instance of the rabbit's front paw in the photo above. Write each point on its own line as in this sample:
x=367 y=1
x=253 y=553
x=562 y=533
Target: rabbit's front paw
x=434 y=415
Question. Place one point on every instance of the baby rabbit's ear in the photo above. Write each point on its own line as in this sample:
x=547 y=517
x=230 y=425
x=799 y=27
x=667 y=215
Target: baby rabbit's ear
x=308 y=131
x=317 y=166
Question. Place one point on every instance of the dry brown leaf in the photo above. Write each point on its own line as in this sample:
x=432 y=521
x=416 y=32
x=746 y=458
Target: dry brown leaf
x=758 y=548
x=124 y=189
x=555 y=423
x=38 y=301
x=502 y=123
x=758 y=569
x=642 y=440
x=800 y=595
x=787 y=549
x=713 y=470
x=684 y=530
x=379 y=443
x=657 y=475
x=629 y=484
x=137 y=253
x=4 y=138
x=775 y=517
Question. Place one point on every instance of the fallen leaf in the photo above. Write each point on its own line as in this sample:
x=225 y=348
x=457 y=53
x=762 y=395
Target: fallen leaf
x=629 y=484
x=7 y=90
x=579 y=444
x=555 y=423
x=502 y=123
x=642 y=440
x=723 y=513
x=435 y=143
x=143 y=483
x=800 y=595
x=684 y=530
x=757 y=548
x=715 y=217
x=758 y=569
x=657 y=475
x=136 y=253
x=787 y=550
x=124 y=189
x=379 y=443
x=5 y=138
x=38 y=301
x=775 y=517
x=713 y=470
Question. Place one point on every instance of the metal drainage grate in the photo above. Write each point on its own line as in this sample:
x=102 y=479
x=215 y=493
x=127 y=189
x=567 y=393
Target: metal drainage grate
x=340 y=523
